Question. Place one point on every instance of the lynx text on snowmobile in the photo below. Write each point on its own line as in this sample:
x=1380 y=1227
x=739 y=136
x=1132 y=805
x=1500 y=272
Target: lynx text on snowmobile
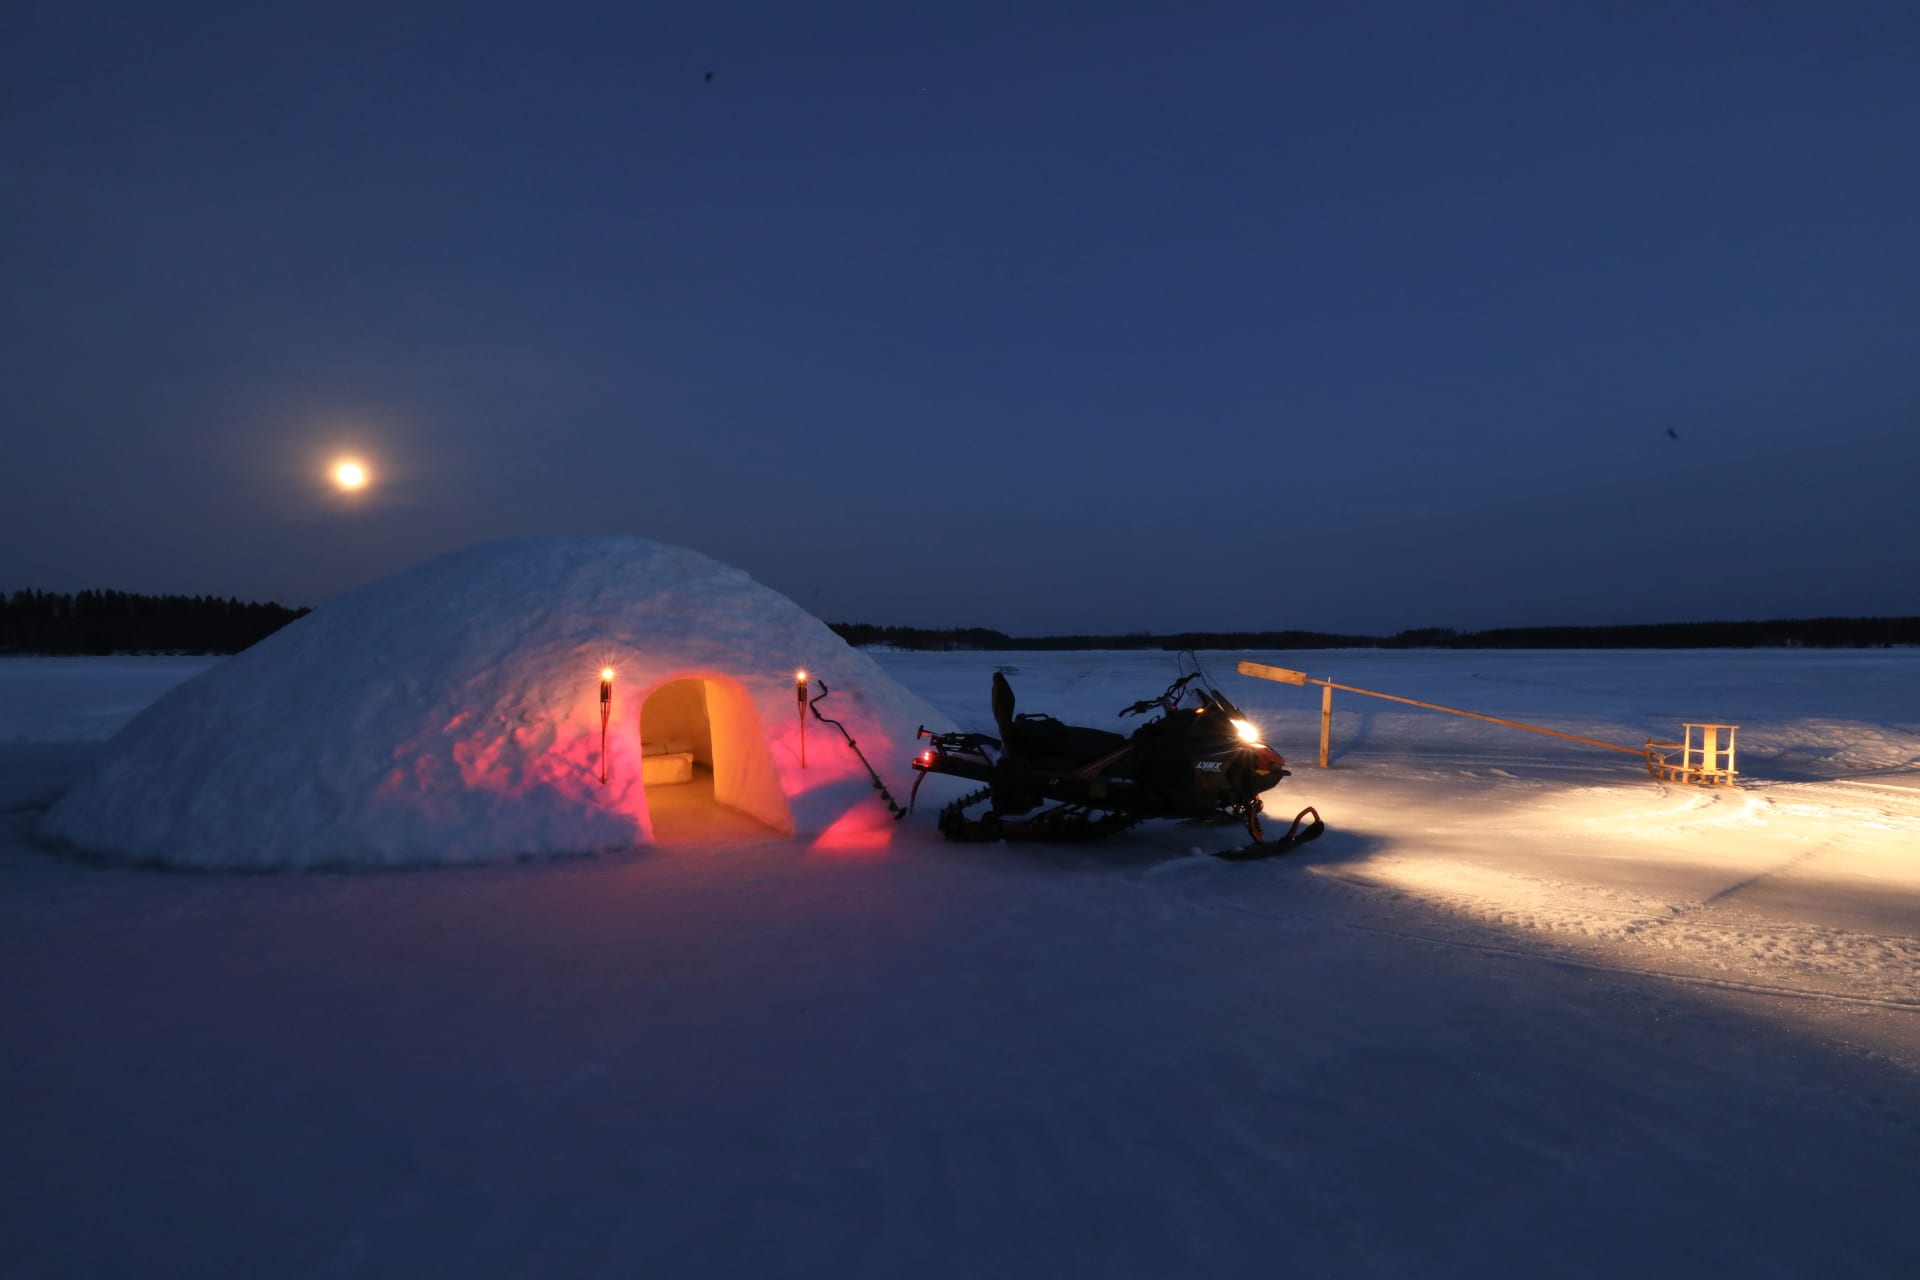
x=1051 y=781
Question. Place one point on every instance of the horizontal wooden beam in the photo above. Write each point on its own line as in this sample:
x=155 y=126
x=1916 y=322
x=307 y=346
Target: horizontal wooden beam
x=1262 y=671
x=1285 y=676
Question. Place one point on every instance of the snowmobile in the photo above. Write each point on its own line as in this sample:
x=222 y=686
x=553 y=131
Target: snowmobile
x=1046 y=780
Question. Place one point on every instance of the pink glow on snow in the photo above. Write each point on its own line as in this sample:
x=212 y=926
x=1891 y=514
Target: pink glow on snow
x=472 y=754
x=864 y=831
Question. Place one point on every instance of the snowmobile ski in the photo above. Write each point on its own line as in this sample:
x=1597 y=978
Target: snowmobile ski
x=1298 y=834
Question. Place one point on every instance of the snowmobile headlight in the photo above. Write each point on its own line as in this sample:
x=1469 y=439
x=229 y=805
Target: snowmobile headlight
x=1247 y=732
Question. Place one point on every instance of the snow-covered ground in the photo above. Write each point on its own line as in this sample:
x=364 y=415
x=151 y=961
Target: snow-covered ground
x=1521 y=1010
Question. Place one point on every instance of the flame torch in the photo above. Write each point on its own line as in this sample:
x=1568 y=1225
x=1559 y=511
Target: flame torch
x=800 y=694
x=606 y=709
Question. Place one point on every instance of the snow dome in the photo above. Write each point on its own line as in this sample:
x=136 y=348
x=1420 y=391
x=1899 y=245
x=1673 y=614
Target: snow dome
x=451 y=713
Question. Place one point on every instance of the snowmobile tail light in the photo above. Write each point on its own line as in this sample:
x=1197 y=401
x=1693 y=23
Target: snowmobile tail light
x=1247 y=732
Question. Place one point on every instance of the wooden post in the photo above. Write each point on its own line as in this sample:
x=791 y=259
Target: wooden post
x=1326 y=721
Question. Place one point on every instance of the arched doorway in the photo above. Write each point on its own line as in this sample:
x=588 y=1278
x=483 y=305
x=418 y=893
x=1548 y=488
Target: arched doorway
x=705 y=763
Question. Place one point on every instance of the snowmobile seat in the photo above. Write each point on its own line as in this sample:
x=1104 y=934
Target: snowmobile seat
x=1043 y=741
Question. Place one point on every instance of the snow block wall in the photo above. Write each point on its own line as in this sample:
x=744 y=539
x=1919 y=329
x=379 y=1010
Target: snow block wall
x=450 y=713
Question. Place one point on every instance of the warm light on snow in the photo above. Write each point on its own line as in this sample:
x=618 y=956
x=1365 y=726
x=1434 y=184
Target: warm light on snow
x=350 y=475
x=864 y=831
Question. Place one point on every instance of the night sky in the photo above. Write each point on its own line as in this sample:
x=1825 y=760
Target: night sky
x=1044 y=317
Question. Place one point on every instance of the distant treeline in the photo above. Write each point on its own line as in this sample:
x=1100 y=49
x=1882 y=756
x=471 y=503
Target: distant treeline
x=861 y=633
x=1784 y=633
x=122 y=622
x=97 y=622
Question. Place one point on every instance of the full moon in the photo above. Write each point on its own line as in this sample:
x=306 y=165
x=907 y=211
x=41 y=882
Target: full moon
x=349 y=475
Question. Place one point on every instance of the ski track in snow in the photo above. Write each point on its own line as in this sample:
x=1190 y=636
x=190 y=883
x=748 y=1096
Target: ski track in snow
x=1708 y=938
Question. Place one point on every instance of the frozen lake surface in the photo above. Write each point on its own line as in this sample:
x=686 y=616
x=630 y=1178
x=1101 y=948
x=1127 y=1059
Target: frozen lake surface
x=1522 y=1009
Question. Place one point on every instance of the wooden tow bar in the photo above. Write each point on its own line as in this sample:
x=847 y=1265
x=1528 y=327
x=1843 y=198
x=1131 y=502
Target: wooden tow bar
x=1705 y=758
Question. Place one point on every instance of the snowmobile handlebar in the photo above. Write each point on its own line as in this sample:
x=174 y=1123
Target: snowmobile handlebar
x=1166 y=701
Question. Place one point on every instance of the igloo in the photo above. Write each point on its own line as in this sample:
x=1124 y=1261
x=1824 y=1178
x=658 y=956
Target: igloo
x=451 y=713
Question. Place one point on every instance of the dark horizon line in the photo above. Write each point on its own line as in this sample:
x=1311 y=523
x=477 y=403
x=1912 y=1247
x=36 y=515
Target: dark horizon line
x=108 y=621
x=1823 y=632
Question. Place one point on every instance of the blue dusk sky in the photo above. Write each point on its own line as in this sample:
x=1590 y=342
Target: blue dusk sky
x=1045 y=317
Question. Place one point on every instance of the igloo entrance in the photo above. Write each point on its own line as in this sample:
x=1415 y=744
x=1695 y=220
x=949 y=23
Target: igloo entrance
x=705 y=763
